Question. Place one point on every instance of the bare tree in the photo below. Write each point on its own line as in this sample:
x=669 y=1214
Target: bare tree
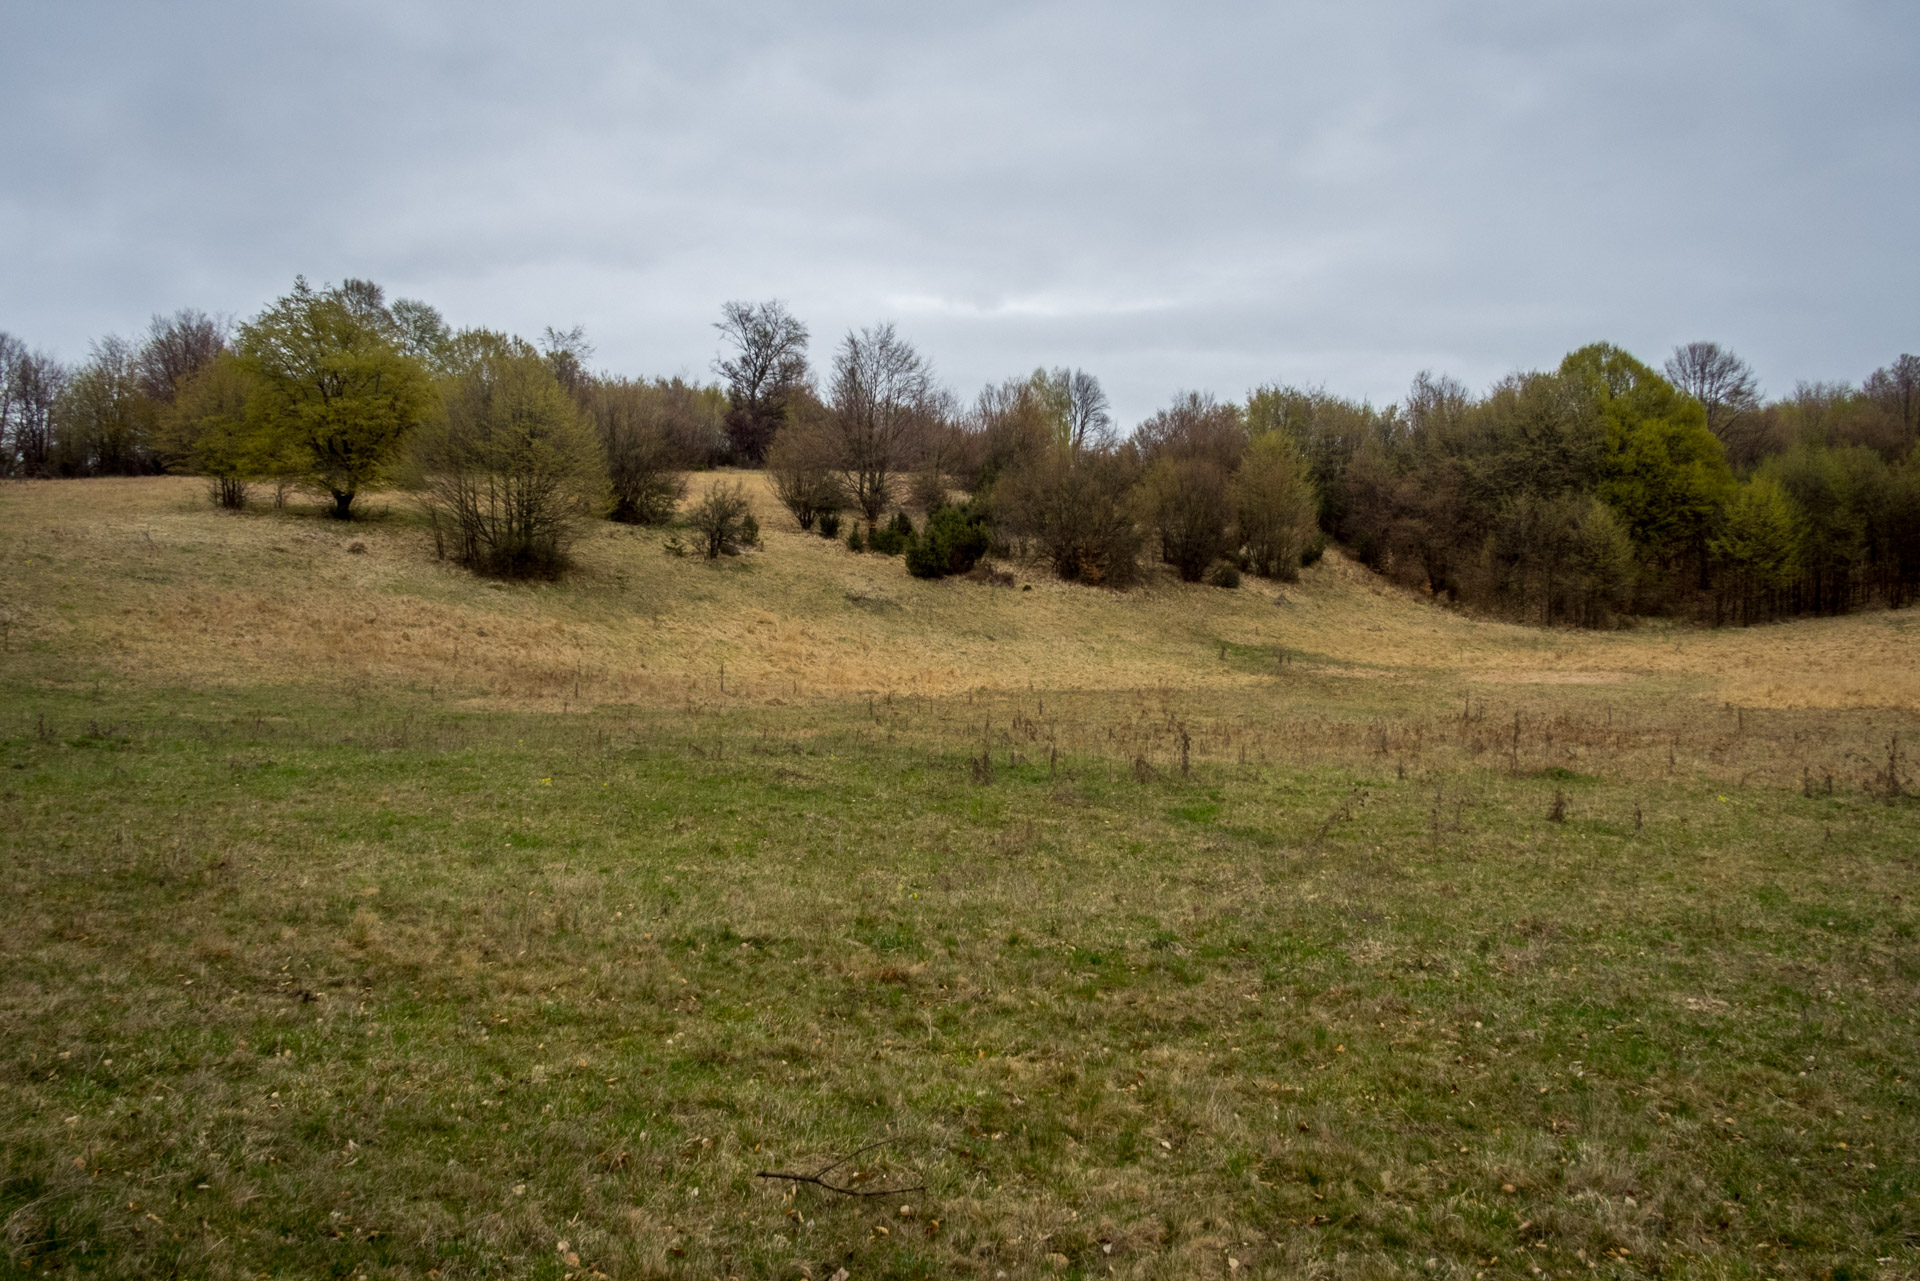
x=1434 y=404
x=1185 y=500
x=801 y=463
x=1896 y=389
x=1077 y=405
x=769 y=364
x=1195 y=426
x=31 y=383
x=567 y=352
x=883 y=395
x=1007 y=430
x=1716 y=378
x=723 y=518
x=13 y=353
x=1070 y=510
x=176 y=347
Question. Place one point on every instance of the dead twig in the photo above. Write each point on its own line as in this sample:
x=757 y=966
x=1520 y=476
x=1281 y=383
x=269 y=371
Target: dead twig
x=818 y=1177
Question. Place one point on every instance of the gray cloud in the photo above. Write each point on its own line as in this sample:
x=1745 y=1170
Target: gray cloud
x=1172 y=196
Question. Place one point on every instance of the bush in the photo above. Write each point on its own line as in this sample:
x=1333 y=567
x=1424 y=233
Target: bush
x=1070 y=506
x=800 y=465
x=1315 y=548
x=928 y=491
x=509 y=468
x=829 y=524
x=854 y=542
x=1224 y=574
x=1185 y=501
x=893 y=537
x=722 y=521
x=647 y=436
x=953 y=542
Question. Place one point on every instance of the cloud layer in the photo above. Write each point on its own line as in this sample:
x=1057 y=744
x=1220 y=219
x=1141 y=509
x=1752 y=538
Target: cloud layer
x=1172 y=196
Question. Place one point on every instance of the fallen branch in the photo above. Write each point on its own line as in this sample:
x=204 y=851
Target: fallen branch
x=818 y=1177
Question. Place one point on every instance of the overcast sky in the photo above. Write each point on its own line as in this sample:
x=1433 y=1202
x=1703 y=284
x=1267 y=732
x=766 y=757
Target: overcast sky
x=1183 y=196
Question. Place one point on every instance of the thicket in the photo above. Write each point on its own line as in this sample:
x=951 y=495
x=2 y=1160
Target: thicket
x=1599 y=489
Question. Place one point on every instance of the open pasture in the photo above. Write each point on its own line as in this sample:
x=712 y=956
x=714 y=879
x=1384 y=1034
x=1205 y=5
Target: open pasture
x=368 y=920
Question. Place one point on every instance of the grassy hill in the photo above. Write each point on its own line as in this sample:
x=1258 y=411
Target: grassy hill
x=371 y=919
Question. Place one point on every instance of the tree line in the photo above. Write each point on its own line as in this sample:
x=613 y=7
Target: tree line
x=1597 y=490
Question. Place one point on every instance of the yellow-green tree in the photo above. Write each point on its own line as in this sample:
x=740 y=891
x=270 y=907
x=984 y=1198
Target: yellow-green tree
x=332 y=388
x=207 y=431
x=1663 y=472
x=1274 y=506
x=1756 y=553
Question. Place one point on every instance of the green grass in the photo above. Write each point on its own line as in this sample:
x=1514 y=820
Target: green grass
x=374 y=986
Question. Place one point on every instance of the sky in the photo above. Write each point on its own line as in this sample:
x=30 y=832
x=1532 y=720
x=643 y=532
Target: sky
x=1173 y=196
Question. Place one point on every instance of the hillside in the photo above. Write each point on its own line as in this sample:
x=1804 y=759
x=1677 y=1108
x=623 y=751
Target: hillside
x=373 y=920
x=141 y=579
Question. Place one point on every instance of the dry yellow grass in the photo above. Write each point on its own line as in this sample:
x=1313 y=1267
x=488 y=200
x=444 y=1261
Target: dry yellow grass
x=146 y=582
x=1449 y=948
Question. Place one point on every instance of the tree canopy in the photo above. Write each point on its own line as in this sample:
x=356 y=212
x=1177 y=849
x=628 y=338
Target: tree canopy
x=331 y=381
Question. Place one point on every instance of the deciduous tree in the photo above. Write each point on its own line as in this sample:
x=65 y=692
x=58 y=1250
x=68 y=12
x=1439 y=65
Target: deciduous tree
x=333 y=385
x=883 y=395
x=650 y=434
x=207 y=430
x=103 y=422
x=1273 y=506
x=1721 y=381
x=767 y=366
x=175 y=348
x=508 y=467
x=30 y=386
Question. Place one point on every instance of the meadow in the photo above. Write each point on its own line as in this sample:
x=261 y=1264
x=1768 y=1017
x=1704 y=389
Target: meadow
x=373 y=920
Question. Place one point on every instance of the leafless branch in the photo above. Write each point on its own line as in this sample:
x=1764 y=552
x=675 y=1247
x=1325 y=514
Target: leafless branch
x=818 y=1179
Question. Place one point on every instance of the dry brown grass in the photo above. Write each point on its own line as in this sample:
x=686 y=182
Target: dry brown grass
x=146 y=582
x=1277 y=962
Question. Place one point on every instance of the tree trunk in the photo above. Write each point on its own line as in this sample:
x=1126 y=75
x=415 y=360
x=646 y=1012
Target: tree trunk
x=343 y=504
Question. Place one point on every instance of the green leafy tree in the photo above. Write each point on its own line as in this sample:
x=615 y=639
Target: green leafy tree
x=1074 y=407
x=1664 y=473
x=1329 y=432
x=1561 y=559
x=207 y=430
x=1833 y=532
x=1756 y=553
x=333 y=387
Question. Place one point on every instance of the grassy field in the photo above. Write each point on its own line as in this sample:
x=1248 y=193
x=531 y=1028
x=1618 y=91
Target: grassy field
x=369 y=920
